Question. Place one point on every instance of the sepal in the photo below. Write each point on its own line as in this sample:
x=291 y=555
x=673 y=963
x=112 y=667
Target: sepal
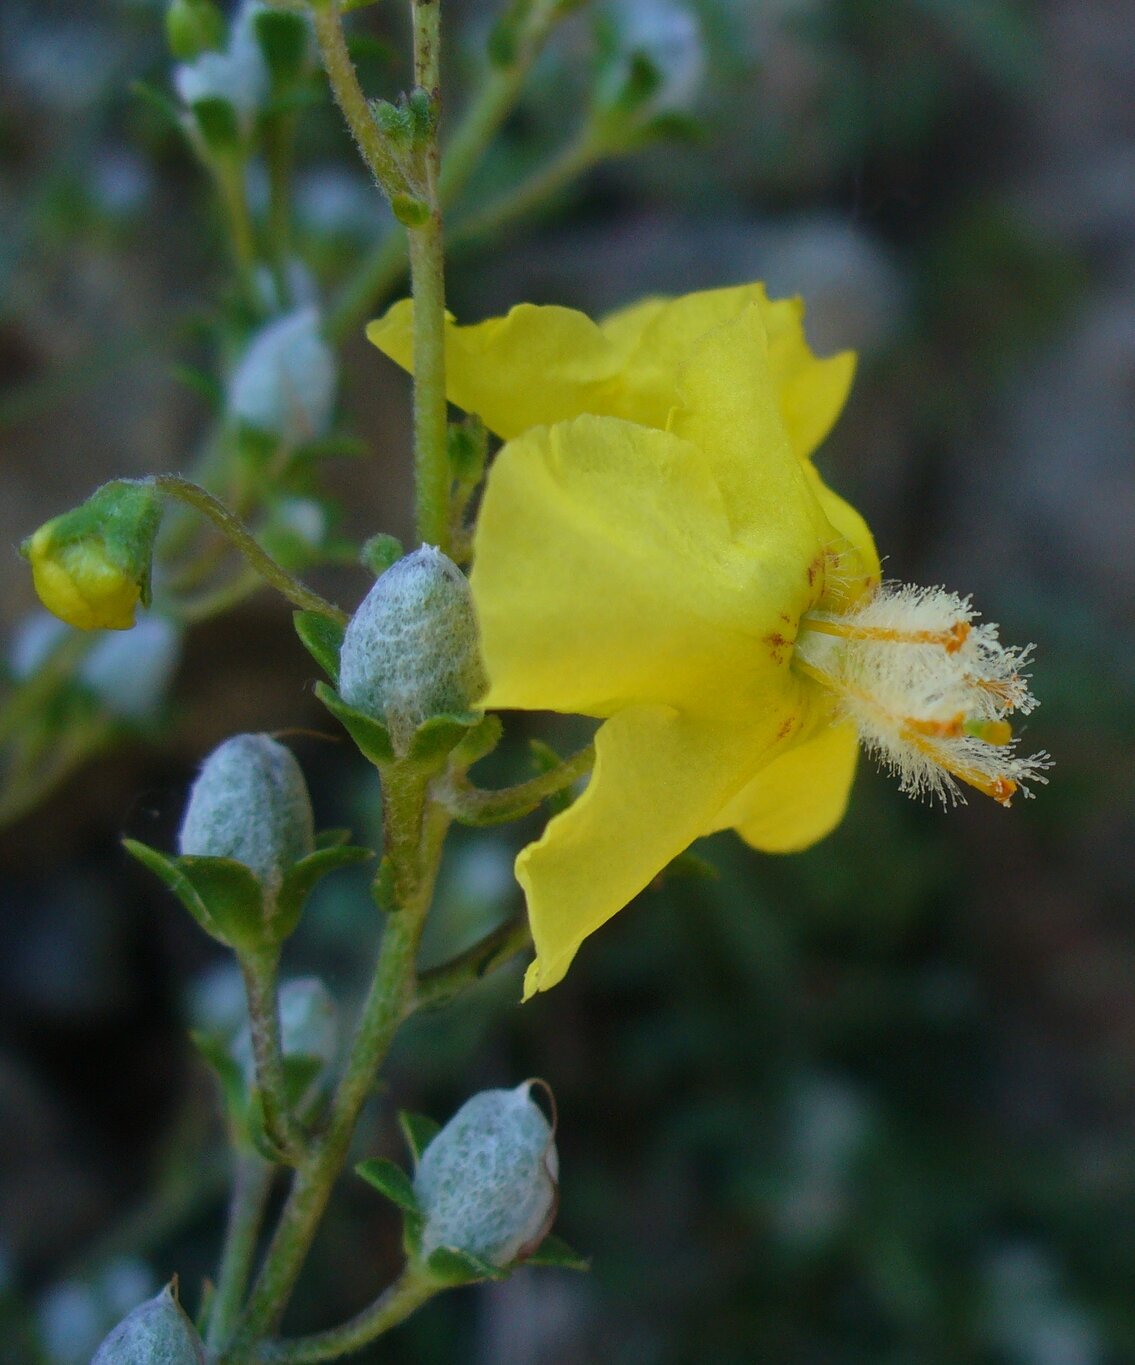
x=391 y=1181
x=370 y=735
x=419 y=1130
x=322 y=638
x=453 y=1267
x=221 y=894
x=301 y=877
x=555 y=1253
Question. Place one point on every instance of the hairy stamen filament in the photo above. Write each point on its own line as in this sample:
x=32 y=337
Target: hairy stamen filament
x=951 y=639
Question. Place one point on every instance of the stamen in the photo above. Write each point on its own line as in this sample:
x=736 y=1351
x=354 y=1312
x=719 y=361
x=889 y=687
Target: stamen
x=950 y=639
x=928 y=691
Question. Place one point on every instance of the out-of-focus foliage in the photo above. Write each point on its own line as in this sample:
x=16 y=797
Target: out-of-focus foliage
x=873 y=1103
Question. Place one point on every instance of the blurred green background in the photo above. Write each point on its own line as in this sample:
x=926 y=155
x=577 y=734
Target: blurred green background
x=875 y=1103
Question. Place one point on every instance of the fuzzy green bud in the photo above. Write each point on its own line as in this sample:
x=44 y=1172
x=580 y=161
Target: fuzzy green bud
x=250 y=803
x=91 y=566
x=157 y=1332
x=411 y=650
x=487 y=1183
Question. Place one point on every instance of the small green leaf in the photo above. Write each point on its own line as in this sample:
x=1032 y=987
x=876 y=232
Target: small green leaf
x=322 y=638
x=384 y=890
x=233 y=898
x=453 y=1267
x=437 y=737
x=169 y=871
x=332 y=838
x=300 y=1072
x=228 y=1073
x=217 y=121
x=301 y=877
x=419 y=1131
x=554 y=1251
x=283 y=41
x=370 y=735
x=380 y=552
x=159 y=101
x=390 y=1180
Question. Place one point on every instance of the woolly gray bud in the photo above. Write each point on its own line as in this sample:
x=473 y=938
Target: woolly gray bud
x=411 y=649
x=285 y=382
x=250 y=803
x=486 y=1184
x=238 y=75
x=157 y=1332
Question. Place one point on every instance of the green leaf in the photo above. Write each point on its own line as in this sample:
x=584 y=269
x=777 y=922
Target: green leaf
x=390 y=1180
x=283 y=41
x=160 y=101
x=217 y=121
x=437 y=737
x=370 y=735
x=322 y=638
x=332 y=838
x=384 y=891
x=301 y=877
x=228 y=1073
x=453 y=1267
x=233 y=898
x=419 y=1131
x=169 y=871
x=554 y=1251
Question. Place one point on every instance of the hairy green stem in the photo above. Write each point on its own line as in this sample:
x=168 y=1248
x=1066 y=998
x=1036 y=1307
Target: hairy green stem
x=343 y=79
x=260 y=974
x=408 y=1292
x=242 y=539
x=432 y=475
x=473 y=806
x=229 y=174
x=252 y=1181
x=444 y=983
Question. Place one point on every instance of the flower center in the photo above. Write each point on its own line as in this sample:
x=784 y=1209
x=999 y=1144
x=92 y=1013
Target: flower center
x=929 y=689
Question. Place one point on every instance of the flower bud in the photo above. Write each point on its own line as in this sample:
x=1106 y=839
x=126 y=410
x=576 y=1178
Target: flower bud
x=487 y=1183
x=250 y=803
x=285 y=383
x=157 y=1332
x=411 y=650
x=91 y=566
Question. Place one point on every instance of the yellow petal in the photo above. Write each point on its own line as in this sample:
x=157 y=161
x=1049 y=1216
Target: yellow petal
x=607 y=572
x=854 y=566
x=656 y=334
x=799 y=797
x=729 y=410
x=661 y=778
x=80 y=586
x=539 y=365
x=532 y=367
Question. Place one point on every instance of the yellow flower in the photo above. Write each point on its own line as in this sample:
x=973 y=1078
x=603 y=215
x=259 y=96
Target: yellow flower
x=91 y=566
x=656 y=549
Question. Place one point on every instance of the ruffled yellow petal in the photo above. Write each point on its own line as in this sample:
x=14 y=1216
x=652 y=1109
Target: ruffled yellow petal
x=800 y=796
x=606 y=572
x=661 y=777
x=540 y=365
x=728 y=409
x=655 y=336
x=532 y=367
x=853 y=567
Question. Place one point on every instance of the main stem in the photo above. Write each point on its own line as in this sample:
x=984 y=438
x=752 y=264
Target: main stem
x=427 y=279
x=252 y=1180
